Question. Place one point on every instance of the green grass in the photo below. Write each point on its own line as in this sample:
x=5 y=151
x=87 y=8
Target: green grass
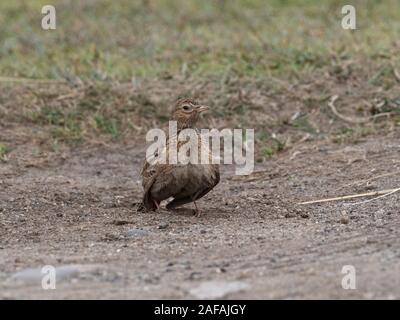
x=352 y=136
x=120 y=39
x=4 y=150
x=109 y=126
x=304 y=124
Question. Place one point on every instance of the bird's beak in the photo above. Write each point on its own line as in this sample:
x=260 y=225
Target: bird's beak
x=202 y=108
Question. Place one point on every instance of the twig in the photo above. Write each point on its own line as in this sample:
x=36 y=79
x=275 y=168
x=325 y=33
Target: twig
x=354 y=120
x=13 y=79
x=369 y=194
x=382 y=196
x=68 y=96
x=342 y=117
x=396 y=73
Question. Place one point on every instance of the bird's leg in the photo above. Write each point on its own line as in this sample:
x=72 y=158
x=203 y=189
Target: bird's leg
x=197 y=213
x=157 y=204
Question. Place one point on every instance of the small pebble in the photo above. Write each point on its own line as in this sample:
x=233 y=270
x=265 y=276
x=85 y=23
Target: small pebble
x=163 y=225
x=344 y=220
x=290 y=215
x=194 y=276
x=120 y=222
x=136 y=232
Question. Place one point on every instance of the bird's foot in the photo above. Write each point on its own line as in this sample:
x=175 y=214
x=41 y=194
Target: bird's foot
x=197 y=211
x=197 y=214
x=157 y=204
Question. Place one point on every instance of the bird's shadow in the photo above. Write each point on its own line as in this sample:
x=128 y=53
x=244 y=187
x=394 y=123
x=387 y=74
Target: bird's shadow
x=179 y=211
x=182 y=211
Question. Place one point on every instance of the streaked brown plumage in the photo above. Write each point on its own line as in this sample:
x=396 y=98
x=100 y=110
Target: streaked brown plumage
x=185 y=183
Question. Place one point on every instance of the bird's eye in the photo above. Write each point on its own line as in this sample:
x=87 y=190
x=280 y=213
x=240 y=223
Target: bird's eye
x=186 y=107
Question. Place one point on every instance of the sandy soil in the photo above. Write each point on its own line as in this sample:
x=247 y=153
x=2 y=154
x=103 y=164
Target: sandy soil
x=78 y=212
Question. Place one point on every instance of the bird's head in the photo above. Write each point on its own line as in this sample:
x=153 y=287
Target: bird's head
x=187 y=112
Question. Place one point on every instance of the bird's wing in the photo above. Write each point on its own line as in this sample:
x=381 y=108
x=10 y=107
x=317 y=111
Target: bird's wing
x=156 y=171
x=151 y=164
x=208 y=185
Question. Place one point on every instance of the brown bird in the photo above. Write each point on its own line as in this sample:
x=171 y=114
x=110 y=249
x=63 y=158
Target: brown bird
x=185 y=183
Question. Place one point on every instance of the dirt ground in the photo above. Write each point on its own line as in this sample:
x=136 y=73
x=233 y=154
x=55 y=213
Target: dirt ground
x=78 y=211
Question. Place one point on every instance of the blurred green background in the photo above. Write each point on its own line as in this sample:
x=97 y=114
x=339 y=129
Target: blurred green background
x=100 y=39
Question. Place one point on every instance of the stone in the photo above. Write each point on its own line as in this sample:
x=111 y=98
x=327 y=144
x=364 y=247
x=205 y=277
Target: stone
x=344 y=220
x=136 y=232
x=163 y=225
x=217 y=289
